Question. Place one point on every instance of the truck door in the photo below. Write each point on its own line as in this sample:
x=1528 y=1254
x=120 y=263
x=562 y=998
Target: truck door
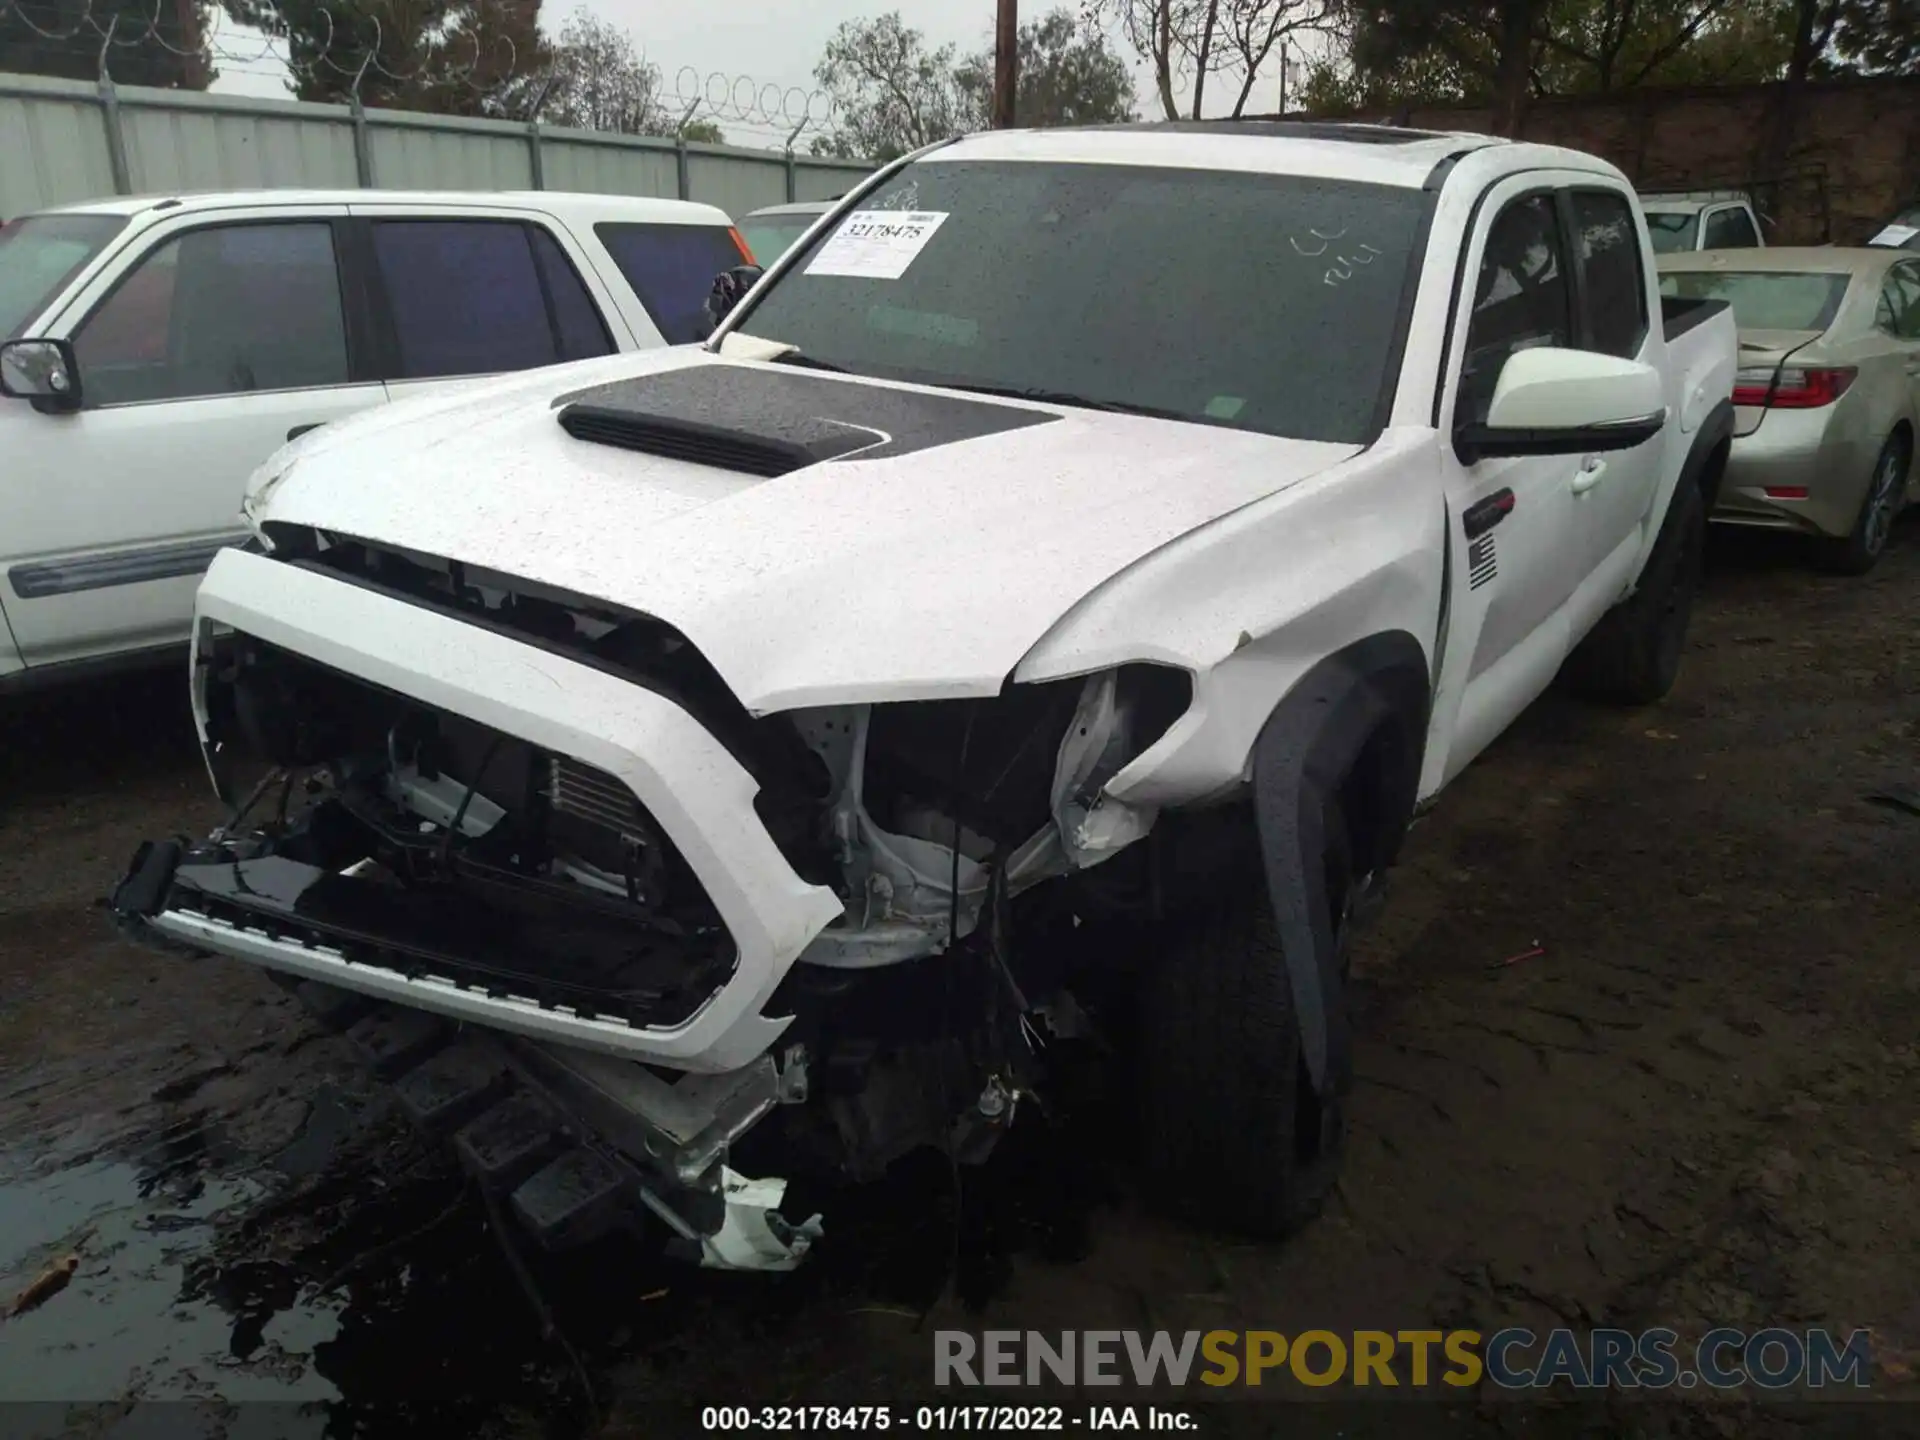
x=1513 y=560
x=1613 y=494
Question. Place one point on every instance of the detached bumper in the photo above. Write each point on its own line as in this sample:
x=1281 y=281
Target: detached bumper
x=693 y=788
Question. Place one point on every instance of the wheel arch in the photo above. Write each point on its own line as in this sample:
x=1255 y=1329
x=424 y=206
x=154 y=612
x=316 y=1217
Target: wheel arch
x=1706 y=463
x=1350 y=735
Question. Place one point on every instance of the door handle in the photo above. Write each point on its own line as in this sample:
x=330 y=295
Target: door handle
x=297 y=431
x=1592 y=471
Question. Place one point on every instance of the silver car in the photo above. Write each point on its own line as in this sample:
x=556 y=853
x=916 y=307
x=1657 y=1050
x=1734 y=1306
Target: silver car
x=1828 y=395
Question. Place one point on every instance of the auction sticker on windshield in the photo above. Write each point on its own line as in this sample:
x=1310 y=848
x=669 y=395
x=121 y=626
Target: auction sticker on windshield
x=877 y=244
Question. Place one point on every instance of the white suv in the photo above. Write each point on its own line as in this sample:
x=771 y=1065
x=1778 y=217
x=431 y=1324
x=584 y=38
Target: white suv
x=205 y=331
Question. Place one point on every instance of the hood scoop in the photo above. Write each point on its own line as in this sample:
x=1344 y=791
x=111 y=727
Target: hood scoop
x=760 y=420
x=695 y=444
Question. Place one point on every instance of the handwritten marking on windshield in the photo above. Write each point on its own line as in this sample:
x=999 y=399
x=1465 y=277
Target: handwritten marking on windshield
x=1343 y=266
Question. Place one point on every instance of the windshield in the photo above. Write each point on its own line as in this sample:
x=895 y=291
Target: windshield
x=1764 y=300
x=1261 y=302
x=40 y=254
x=768 y=236
x=1671 y=230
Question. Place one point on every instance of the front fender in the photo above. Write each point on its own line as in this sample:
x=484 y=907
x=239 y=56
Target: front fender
x=1370 y=699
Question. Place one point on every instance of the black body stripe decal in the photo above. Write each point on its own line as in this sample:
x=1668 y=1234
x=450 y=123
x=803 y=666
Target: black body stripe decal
x=124 y=567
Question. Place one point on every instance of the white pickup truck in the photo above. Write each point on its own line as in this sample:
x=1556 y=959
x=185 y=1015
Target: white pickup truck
x=1679 y=221
x=200 y=332
x=1088 y=531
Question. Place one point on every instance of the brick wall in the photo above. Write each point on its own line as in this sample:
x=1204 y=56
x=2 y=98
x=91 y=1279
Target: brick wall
x=1854 y=159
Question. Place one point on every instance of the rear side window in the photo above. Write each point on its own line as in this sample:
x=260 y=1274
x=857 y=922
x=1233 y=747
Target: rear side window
x=671 y=269
x=1730 y=229
x=1899 y=309
x=1521 y=298
x=482 y=297
x=1616 y=288
x=1764 y=300
x=221 y=311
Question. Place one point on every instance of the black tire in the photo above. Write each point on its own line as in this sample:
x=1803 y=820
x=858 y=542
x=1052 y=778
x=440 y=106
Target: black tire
x=1632 y=657
x=1234 y=1138
x=1858 y=551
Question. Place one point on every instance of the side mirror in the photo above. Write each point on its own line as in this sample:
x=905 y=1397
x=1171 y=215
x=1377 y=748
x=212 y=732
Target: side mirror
x=728 y=287
x=41 y=371
x=1550 y=401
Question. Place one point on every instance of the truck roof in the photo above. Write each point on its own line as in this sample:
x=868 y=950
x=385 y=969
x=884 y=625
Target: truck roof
x=1691 y=202
x=1381 y=154
x=637 y=209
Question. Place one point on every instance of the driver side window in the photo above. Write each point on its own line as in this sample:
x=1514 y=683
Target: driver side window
x=223 y=310
x=1521 y=299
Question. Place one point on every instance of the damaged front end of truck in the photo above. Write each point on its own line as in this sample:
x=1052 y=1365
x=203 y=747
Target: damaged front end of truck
x=599 y=924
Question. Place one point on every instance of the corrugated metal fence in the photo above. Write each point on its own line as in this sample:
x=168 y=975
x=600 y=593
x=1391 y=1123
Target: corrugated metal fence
x=65 y=140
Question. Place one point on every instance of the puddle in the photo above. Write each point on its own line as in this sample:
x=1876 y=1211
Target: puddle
x=124 y=1326
x=325 y=1300
x=346 y=1283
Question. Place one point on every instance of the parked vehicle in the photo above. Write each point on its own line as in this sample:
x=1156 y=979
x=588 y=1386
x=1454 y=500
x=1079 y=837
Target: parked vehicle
x=200 y=333
x=1702 y=220
x=1902 y=232
x=771 y=231
x=751 y=728
x=1828 y=394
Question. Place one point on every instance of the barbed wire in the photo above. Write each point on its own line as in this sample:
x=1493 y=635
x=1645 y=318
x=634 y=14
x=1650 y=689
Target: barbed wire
x=716 y=96
x=488 y=68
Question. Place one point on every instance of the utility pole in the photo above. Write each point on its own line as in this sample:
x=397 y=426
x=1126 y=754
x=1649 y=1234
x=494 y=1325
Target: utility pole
x=193 y=62
x=1006 y=63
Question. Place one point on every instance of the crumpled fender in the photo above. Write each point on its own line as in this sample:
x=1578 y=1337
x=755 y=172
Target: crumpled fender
x=1302 y=764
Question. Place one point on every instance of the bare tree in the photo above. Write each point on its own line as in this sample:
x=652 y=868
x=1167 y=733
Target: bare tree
x=1187 y=42
x=1256 y=28
x=601 y=82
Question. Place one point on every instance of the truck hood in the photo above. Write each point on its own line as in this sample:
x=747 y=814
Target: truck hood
x=919 y=543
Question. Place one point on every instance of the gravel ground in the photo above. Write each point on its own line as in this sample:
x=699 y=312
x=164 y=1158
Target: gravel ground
x=1698 y=1105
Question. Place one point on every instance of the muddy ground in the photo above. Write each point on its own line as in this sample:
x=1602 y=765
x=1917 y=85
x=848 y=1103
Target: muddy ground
x=1700 y=1104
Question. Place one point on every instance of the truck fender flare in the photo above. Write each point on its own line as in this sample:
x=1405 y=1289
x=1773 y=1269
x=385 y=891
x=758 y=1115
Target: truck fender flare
x=1714 y=431
x=1303 y=757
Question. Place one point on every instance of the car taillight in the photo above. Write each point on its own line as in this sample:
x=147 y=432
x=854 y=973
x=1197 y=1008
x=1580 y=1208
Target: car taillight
x=1798 y=387
x=740 y=244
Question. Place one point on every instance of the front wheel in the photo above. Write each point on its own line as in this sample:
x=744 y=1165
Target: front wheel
x=1633 y=655
x=1235 y=1138
x=1858 y=551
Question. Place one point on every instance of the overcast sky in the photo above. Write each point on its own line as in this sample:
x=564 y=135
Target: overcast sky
x=775 y=42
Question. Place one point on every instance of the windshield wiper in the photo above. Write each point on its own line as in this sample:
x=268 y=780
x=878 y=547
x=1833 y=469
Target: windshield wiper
x=808 y=362
x=1062 y=397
